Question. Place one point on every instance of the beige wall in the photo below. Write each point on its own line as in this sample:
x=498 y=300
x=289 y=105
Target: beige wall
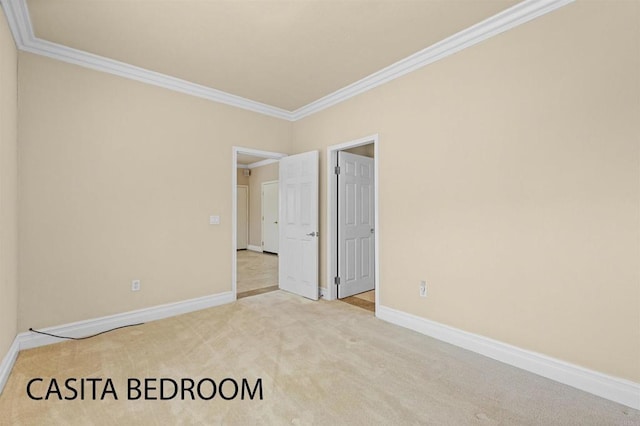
x=523 y=215
x=242 y=179
x=367 y=150
x=258 y=176
x=117 y=182
x=8 y=188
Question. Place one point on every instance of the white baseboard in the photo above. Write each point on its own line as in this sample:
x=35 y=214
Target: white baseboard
x=254 y=248
x=615 y=389
x=8 y=361
x=30 y=340
x=324 y=293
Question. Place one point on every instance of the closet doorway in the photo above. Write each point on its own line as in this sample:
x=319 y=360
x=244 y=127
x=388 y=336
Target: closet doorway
x=352 y=223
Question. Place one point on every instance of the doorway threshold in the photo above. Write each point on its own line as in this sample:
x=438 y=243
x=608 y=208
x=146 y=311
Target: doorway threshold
x=360 y=302
x=257 y=291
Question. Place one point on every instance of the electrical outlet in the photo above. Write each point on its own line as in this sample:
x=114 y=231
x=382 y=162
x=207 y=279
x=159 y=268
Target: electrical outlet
x=135 y=285
x=423 y=289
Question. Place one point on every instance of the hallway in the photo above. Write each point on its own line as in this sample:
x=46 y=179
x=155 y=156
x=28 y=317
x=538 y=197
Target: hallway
x=257 y=273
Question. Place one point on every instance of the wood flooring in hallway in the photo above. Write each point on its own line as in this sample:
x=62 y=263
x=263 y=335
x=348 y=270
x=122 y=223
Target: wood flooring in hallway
x=257 y=273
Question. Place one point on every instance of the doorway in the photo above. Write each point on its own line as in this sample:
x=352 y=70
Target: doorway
x=353 y=223
x=254 y=271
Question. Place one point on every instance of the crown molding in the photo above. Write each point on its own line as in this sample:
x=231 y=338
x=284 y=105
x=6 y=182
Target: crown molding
x=499 y=23
x=20 y=23
x=88 y=60
x=22 y=30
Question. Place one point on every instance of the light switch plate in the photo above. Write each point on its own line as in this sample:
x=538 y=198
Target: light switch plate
x=214 y=220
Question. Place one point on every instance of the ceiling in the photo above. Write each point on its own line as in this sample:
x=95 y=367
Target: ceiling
x=284 y=53
x=246 y=159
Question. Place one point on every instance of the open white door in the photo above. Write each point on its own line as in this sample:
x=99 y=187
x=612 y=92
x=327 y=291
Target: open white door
x=298 y=256
x=355 y=224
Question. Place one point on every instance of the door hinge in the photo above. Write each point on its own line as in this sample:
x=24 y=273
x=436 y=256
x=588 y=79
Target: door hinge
x=336 y=280
x=337 y=170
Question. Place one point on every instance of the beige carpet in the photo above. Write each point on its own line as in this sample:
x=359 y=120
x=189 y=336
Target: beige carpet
x=256 y=270
x=325 y=363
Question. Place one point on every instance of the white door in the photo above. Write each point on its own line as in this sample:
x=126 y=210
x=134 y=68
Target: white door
x=298 y=257
x=355 y=224
x=270 y=218
x=242 y=234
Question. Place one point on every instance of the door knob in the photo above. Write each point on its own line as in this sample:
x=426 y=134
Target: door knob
x=313 y=234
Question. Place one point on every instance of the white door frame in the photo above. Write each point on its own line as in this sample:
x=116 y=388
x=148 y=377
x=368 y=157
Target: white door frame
x=243 y=186
x=262 y=208
x=330 y=291
x=234 y=204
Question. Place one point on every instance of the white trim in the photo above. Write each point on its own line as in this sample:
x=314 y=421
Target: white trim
x=323 y=293
x=499 y=23
x=612 y=388
x=330 y=218
x=30 y=340
x=254 y=248
x=234 y=220
x=22 y=30
x=248 y=218
x=243 y=166
x=19 y=21
x=20 y=24
x=95 y=62
x=264 y=162
x=259 y=153
x=7 y=362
